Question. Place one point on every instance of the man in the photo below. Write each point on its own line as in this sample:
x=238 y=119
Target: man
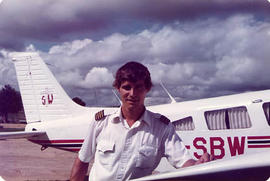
x=130 y=142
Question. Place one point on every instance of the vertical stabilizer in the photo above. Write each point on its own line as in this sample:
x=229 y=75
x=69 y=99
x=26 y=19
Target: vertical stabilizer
x=43 y=97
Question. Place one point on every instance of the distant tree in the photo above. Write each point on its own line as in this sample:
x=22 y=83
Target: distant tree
x=10 y=101
x=79 y=101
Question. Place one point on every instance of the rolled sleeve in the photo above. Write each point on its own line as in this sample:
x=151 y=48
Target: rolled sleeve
x=88 y=148
x=174 y=149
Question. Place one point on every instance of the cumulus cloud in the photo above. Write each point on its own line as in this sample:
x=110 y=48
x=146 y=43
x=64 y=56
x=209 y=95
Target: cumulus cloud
x=194 y=59
x=69 y=48
x=97 y=77
x=70 y=78
x=7 y=70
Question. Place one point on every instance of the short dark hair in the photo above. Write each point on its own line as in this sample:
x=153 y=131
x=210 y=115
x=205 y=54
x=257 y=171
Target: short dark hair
x=133 y=71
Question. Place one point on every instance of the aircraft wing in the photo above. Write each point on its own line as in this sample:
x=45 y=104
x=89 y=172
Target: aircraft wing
x=244 y=167
x=20 y=134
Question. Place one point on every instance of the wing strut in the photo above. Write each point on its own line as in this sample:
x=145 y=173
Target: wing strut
x=171 y=97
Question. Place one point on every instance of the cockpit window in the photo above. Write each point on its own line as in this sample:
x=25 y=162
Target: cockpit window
x=231 y=118
x=185 y=124
x=266 y=108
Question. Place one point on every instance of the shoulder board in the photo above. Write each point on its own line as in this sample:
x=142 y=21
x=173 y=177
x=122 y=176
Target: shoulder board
x=100 y=115
x=164 y=119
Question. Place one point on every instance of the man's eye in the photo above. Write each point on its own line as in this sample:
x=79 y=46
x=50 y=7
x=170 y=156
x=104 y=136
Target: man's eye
x=140 y=87
x=126 y=87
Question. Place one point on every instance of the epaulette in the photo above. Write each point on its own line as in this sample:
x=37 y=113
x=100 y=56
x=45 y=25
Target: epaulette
x=164 y=119
x=100 y=115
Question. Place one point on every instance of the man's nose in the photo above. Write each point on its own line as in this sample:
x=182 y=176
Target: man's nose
x=132 y=91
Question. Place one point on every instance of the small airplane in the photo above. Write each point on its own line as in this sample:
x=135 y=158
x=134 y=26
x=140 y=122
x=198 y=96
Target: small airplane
x=235 y=128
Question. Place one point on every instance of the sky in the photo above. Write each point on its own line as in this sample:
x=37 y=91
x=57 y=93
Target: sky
x=196 y=48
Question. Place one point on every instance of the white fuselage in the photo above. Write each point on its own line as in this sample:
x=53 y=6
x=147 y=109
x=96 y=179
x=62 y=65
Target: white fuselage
x=225 y=126
x=69 y=133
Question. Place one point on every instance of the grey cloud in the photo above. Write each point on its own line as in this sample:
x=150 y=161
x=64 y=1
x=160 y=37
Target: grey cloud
x=194 y=59
x=63 y=20
x=183 y=9
x=208 y=58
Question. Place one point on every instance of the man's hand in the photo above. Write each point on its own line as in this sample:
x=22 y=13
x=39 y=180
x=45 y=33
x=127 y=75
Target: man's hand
x=206 y=157
x=79 y=170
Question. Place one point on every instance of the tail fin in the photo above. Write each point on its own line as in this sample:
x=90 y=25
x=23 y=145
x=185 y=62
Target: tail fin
x=43 y=97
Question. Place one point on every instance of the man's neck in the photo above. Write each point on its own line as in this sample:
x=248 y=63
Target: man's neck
x=132 y=115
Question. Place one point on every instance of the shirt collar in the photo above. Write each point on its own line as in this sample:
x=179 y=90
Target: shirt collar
x=146 y=118
x=117 y=116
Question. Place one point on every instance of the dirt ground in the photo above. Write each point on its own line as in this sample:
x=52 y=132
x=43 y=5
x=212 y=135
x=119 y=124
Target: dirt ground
x=23 y=160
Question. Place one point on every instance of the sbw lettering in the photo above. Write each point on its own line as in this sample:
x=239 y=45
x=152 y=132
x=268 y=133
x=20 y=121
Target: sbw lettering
x=236 y=146
x=198 y=146
x=217 y=143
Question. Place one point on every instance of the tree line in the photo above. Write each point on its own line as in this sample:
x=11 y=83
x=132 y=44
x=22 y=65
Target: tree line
x=10 y=102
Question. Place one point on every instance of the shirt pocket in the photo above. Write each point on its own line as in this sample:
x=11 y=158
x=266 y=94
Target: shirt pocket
x=146 y=156
x=105 y=152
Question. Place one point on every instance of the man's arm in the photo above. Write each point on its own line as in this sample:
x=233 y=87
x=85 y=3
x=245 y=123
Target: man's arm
x=79 y=170
x=206 y=157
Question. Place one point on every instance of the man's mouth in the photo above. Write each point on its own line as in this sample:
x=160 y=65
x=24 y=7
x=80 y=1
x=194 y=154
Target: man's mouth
x=132 y=100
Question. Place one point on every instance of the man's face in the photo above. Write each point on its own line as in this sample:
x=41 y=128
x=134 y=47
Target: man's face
x=132 y=94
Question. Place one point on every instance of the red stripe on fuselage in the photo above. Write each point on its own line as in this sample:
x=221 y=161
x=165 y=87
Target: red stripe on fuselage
x=57 y=141
x=258 y=146
x=258 y=137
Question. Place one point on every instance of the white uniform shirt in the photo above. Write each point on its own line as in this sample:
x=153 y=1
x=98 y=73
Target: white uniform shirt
x=122 y=152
